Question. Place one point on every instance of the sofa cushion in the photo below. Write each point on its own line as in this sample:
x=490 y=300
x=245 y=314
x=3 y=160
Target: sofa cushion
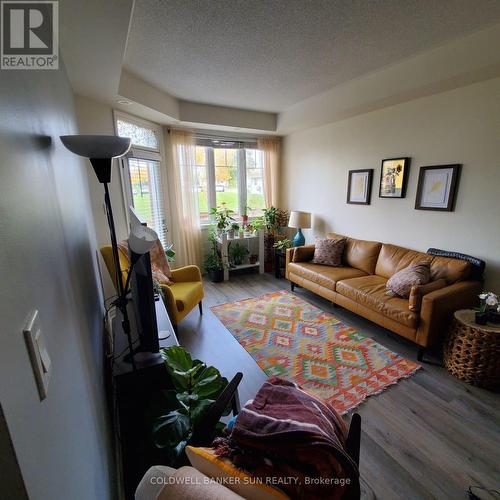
x=401 y=282
x=303 y=254
x=326 y=276
x=328 y=251
x=452 y=270
x=392 y=259
x=361 y=254
x=369 y=291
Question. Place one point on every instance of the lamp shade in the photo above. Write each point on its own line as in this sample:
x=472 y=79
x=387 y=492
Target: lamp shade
x=96 y=146
x=300 y=220
x=141 y=239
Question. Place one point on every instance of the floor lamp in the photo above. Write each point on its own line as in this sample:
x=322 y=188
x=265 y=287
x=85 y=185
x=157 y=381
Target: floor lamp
x=100 y=150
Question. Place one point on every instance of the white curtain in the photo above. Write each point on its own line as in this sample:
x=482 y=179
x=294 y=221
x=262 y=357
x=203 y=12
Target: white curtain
x=183 y=189
x=270 y=147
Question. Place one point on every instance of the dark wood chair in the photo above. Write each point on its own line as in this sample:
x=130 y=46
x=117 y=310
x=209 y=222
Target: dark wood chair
x=205 y=433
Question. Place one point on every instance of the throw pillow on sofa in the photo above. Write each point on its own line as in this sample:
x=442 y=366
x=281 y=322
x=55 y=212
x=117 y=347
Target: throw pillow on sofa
x=416 y=274
x=329 y=252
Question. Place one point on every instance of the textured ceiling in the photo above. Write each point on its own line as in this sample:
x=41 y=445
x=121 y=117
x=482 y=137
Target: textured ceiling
x=270 y=54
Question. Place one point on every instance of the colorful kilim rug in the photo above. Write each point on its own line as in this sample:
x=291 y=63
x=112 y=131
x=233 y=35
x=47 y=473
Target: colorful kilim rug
x=293 y=339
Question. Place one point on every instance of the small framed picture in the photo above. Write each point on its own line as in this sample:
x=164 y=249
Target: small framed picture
x=359 y=186
x=394 y=177
x=437 y=187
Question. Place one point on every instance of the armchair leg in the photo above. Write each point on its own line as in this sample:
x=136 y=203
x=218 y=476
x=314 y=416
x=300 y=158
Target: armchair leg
x=420 y=353
x=292 y=286
x=200 y=307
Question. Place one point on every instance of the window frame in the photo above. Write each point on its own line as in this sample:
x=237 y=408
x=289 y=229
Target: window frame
x=240 y=146
x=144 y=153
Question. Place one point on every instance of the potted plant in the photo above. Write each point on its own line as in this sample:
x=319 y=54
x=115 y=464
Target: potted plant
x=253 y=259
x=244 y=216
x=257 y=224
x=222 y=216
x=234 y=227
x=170 y=253
x=283 y=244
x=489 y=309
x=275 y=219
x=213 y=264
x=177 y=413
x=237 y=253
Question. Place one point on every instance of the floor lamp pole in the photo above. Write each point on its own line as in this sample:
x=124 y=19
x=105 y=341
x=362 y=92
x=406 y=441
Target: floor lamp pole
x=121 y=303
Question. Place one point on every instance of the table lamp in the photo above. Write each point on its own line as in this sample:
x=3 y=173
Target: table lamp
x=299 y=220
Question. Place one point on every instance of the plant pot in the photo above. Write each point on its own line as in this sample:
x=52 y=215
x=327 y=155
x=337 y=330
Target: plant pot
x=216 y=276
x=230 y=234
x=481 y=318
x=237 y=262
x=494 y=317
x=242 y=235
x=253 y=259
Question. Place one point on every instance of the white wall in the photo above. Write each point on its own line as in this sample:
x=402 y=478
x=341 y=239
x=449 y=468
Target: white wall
x=459 y=126
x=47 y=262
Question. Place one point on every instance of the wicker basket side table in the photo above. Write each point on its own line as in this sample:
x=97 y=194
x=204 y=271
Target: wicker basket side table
x=472 y=352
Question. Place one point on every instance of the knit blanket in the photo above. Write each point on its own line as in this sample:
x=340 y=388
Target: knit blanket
x=291 y=439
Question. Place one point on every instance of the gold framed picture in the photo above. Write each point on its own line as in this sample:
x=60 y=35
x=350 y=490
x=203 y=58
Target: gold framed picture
x=394 y=177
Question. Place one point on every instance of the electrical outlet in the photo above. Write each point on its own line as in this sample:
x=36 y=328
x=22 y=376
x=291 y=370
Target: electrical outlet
x=39 y=356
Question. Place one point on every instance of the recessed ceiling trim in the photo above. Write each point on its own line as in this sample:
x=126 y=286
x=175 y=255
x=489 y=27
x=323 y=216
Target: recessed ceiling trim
x=462 y=62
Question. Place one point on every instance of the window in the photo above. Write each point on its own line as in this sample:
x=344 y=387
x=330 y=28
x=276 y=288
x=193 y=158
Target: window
x=229 y=173
x=142 y=173
x=140 y=136
x=255 y=181
x=226 y=178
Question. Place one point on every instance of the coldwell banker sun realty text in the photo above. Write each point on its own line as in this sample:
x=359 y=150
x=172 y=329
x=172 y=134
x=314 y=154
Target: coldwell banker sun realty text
x=29 y=35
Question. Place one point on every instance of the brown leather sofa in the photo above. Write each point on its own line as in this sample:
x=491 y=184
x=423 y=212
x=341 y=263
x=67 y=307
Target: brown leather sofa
x=359 y=285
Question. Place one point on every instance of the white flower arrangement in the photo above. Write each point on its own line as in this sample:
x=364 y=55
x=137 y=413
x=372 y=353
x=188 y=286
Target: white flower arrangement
x=489 y=300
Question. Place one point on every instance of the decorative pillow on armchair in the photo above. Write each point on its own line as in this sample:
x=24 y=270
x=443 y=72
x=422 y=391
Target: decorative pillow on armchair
x=401 y=282
x=329 y=251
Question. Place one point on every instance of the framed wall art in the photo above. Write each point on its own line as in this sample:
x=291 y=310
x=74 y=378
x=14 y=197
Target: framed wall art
x=359 y=186
x=437 y=187
x=394 y=177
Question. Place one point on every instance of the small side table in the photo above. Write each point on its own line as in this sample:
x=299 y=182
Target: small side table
x=472 y=352
x=279 y=262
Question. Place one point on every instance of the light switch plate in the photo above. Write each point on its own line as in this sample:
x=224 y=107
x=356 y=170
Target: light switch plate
x=39 y=356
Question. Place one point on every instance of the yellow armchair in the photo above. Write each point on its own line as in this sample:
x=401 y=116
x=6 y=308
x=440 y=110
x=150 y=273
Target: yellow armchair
x=180 y=297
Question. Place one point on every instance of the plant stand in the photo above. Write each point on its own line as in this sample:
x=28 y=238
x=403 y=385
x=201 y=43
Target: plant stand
x=223 y=243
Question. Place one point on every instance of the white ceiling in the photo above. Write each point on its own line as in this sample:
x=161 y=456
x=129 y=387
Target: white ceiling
x=268 y=55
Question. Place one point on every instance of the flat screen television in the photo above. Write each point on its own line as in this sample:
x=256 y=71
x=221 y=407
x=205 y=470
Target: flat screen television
x=143 y=298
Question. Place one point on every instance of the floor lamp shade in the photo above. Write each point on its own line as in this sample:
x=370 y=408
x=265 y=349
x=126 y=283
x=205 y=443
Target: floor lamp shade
x=299 y=220
x=100 y=149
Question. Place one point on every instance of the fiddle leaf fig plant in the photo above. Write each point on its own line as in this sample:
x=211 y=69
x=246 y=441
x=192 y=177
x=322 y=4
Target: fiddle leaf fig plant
x=196 y=387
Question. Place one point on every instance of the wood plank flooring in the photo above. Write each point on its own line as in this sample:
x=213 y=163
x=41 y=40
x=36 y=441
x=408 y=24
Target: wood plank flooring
x=429 y=436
